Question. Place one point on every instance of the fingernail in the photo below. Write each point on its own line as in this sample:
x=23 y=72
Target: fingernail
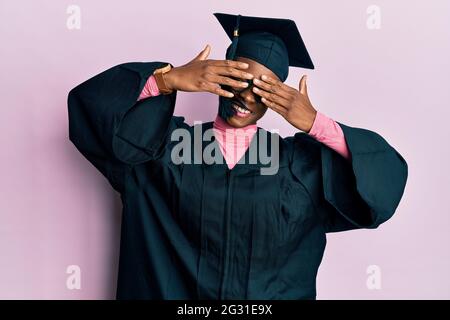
x=264 y=77
x=244 y=65
x=244 y=84
x=256 y=81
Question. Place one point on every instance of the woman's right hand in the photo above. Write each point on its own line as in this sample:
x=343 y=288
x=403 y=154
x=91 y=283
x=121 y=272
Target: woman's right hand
x=205 y=75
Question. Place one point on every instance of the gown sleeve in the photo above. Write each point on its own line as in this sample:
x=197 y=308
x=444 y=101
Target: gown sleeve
x=114 y=130
x=361 y=192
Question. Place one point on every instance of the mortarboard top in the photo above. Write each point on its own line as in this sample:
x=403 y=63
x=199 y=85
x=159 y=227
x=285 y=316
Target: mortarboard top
x=276 y=43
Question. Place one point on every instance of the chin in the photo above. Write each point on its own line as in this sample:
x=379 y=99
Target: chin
x=238 y=122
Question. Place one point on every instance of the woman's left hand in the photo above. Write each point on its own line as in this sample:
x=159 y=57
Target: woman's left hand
x=292 y=104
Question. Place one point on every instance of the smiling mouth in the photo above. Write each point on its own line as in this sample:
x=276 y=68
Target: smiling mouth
x=240 y=107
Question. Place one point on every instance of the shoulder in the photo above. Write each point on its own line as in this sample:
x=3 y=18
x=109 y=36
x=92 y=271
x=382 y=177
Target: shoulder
x=178 y=122
x=303 y=139
x=302 y=145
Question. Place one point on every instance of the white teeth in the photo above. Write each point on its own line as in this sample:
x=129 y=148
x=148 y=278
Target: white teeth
x=240 y=109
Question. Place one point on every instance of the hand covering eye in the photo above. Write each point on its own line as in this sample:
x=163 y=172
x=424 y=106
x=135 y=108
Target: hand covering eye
x=237 y=91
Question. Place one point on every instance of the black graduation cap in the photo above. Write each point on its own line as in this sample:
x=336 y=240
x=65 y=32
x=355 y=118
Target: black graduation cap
x=275 y=43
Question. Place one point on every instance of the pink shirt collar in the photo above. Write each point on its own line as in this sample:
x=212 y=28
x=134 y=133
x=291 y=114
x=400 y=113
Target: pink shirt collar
x=233 y=142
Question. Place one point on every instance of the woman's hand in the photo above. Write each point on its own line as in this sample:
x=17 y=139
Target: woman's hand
x=207 y=75
x=292 y=104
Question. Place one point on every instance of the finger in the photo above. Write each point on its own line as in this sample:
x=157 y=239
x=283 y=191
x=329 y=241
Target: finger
x=229 y=63
x=227 y=81
x=272 y=97
x=232 y=72
x=276 y=89
x=203 y=54
x=278 y=83
x=274 y=106
x=302 y=86
x=216 y=89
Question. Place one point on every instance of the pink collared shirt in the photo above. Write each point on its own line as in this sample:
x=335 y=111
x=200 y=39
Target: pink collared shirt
x=233 y=142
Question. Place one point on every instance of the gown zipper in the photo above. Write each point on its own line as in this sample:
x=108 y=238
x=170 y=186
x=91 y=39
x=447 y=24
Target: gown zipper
x=227 y=237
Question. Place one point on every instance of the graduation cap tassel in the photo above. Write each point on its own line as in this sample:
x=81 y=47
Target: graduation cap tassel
x=235 y=39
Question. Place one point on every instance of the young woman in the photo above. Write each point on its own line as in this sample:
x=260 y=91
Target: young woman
x=224 y=230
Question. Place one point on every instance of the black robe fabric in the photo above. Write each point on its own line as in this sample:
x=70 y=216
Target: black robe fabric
x=202 y=231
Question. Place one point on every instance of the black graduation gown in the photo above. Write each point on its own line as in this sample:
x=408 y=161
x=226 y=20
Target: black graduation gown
x=202 y=231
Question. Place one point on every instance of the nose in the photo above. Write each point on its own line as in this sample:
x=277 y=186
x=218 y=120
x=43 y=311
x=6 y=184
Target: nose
x=248 y=96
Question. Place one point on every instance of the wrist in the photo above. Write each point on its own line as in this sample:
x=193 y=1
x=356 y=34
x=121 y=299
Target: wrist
x=160 y=78
x=169 y=79
x=312 y=119
x=306 y=122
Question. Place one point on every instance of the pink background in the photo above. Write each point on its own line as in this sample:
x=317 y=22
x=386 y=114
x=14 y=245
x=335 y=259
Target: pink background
x=56 y=210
